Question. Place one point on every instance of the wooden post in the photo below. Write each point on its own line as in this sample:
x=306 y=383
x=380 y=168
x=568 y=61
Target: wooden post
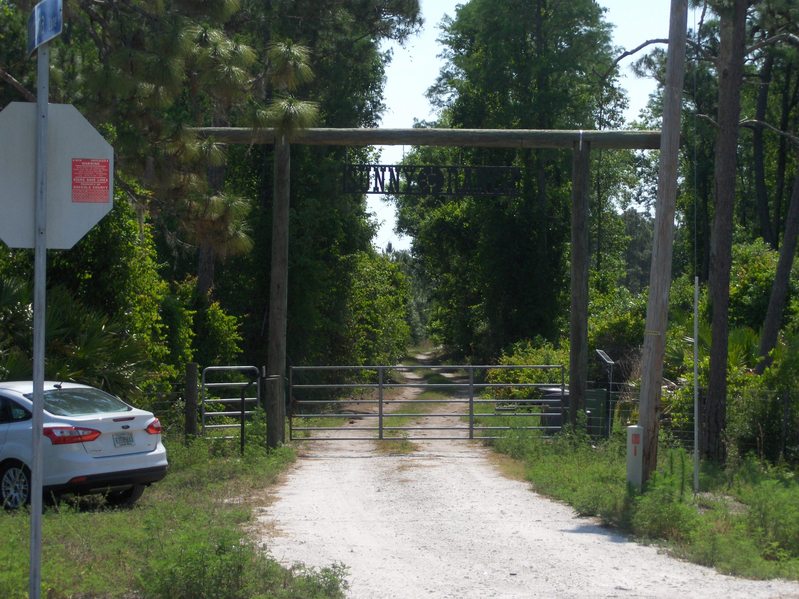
x=190 y=407
x=467 y=138
x=660 y=272
x=278 y=298
x=578 y=335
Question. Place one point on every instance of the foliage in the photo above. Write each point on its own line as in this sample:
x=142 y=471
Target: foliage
x=419 y=302
x=744 y=523
x=218 y=336
x=184 y=539
x=114 y=271
x=753 y=267
x=179 y=321
x=665 y=511
x=213 y=63
x=536 y=352
x=616 y=326
x=103 y=324
x=377 y=330
x=496 y=269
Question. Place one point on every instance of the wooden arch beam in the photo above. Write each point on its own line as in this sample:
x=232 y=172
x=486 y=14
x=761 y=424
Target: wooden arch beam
x=483 y=138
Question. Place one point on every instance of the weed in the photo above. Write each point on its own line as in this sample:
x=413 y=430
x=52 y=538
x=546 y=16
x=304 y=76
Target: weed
x=185 y=538
x=747 y=523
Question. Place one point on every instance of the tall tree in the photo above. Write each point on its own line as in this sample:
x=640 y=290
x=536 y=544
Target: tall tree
x=328 y=227
x=497 y=266
x=779 y=289
x=730 y=71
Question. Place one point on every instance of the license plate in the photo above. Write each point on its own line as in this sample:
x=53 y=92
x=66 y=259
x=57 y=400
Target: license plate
x=123 y=440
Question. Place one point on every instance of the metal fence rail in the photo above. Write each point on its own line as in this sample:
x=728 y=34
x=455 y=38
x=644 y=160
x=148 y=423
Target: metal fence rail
x=613 y=407
x=321 y=396
x=222 y=411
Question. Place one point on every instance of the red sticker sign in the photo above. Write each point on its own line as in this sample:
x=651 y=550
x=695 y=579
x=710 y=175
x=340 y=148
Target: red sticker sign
x=90 y=180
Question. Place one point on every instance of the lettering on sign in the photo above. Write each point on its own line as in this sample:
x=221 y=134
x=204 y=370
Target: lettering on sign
x=91 y=180
x=461 y=181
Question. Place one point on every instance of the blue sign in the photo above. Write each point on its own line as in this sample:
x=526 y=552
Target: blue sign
x=45 y=23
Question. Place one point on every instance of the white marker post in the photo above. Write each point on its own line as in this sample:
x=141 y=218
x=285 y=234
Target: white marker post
x=45 y=23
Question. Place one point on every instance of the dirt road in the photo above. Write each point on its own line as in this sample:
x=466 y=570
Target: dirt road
x=443 y=522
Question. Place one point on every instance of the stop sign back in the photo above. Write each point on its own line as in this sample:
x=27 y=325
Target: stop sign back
x=80 y=175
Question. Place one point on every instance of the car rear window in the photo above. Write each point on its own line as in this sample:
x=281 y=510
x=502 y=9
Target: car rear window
x=79 y=402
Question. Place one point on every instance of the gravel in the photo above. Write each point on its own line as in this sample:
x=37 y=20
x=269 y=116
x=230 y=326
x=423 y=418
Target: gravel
x=443 y=522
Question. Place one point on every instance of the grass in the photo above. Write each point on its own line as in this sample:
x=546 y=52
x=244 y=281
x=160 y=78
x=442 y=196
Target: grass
x=185 y=539
x=746 y=522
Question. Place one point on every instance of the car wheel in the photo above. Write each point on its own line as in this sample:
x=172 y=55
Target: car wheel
x=15 y=485
x=126 y=498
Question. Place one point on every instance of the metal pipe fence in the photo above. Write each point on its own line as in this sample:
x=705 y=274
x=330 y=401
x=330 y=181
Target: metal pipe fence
x=489 y=401
x=762 y=422
x=453 y=402
x=224 y=402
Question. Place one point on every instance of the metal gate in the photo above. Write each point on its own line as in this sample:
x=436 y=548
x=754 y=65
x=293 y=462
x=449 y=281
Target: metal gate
x=228 y=397
x=449 y=402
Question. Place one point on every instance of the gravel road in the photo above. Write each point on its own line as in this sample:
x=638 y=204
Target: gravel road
x=443 y=522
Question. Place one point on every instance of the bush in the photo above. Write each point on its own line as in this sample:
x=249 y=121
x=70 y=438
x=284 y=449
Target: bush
x=227 y=567
x=663 y=510
x=773 y=517
x=535 y=352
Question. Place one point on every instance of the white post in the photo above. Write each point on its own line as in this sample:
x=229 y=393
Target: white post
x=635 y=457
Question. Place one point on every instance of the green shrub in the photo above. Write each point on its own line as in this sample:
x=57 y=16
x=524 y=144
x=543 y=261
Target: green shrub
x=535 y=352
x=661 y=512
x=228 y=567
x=773 y=517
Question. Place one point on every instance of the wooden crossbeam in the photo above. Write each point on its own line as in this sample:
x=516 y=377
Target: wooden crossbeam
x=483 y=138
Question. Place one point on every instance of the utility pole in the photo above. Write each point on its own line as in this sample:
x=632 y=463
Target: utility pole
x=660 y=272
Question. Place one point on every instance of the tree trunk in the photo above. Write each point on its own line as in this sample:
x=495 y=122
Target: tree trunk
x=789 y=101
x=758 y=154
x=779 y=289
x=730 y=67
x=205 y=271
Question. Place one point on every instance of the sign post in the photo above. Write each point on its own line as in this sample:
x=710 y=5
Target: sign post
x=46 y=24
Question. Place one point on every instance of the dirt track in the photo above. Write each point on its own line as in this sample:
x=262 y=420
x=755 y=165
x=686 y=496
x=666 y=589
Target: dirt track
x=442 y=522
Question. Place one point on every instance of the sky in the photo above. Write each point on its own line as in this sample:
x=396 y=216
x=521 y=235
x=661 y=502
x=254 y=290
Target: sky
x=416 y=65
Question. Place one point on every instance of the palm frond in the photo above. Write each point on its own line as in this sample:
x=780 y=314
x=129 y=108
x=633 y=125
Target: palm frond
x=289 y=65
x=288 y=114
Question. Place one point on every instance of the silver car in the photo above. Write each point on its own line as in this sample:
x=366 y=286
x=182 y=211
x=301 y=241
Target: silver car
x=93 y=443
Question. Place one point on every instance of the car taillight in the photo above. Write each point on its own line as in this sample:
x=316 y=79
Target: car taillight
x=154 y=428
x=62 y=435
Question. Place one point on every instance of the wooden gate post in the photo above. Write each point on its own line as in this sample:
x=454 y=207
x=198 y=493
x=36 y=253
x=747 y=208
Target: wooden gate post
x=278 y=298
x=578 y=334
x=190 y=400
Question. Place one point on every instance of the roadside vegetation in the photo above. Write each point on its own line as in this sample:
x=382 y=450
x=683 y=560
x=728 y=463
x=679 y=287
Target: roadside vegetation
x=186 y=539
x=744 y=522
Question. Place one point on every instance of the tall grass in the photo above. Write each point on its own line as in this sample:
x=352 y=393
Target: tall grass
x=745 y=522
x=185 y=539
